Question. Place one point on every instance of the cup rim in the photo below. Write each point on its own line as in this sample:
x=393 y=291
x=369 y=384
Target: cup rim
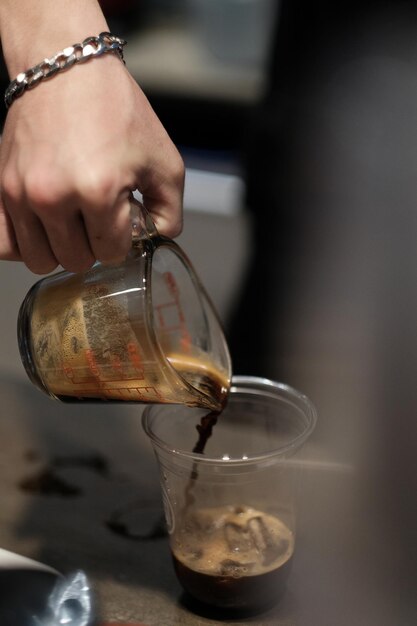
x=238 y=383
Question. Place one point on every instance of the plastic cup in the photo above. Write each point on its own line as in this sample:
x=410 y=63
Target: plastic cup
x=230 y=511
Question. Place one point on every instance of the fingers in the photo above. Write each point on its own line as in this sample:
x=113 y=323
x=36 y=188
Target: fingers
x=163 y=196
x=33 y=244
x=168 y=218
x=46 y=224
x=23 y=232
x=109 y=229
x=69 y=242
x=44 y=228
x=9 y=250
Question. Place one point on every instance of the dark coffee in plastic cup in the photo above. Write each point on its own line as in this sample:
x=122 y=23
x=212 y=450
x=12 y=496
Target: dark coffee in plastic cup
x=233 y=557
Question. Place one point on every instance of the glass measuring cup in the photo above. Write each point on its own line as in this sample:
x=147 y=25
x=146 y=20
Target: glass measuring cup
x=144 y=330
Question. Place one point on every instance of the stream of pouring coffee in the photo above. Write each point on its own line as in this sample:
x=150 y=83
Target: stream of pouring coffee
x=205 y=431
x=204 y=427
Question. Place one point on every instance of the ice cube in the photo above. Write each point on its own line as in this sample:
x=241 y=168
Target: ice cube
x=259 y=533
x=268 y=545
x=238 y=538
x=205 y=521
x=234 y=569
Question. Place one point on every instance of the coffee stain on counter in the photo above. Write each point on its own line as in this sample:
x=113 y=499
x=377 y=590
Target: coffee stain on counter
x=47 y=480
x=139 y=520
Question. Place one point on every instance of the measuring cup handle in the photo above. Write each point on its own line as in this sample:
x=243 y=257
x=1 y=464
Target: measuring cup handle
x=143 y=226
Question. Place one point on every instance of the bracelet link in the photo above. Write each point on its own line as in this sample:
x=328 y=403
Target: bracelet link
x=92 y=46
x=34 y=76
x=66 y=58
x=50 y=68
x=63 y=60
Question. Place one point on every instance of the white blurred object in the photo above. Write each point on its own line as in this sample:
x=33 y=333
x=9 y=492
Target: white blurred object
x=70 y=602
x=236 y=31
x=11 y=560
x=34 y=594
x=216 y=233
x=213 y=193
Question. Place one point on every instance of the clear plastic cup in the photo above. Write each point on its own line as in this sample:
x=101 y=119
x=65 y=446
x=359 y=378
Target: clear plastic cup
x=230 y=510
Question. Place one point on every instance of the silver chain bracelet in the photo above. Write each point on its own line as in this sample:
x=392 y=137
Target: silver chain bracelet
x=77 y=53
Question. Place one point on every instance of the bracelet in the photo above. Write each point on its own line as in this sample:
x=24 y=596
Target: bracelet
x=77 y=53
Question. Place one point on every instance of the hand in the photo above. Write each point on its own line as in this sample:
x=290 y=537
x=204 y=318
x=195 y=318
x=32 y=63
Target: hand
x=72 y=150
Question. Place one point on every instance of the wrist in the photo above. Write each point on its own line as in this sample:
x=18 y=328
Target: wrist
x=31 y=31
x=80 y=52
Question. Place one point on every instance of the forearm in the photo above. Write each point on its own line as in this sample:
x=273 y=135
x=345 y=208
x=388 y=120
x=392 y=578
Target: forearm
x=31 y=30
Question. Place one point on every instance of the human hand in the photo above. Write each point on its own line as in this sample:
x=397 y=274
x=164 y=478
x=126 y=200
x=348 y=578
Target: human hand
x=72 y=151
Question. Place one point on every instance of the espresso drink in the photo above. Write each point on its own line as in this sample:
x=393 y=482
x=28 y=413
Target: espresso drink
x=233 y=557
x=84 y=346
